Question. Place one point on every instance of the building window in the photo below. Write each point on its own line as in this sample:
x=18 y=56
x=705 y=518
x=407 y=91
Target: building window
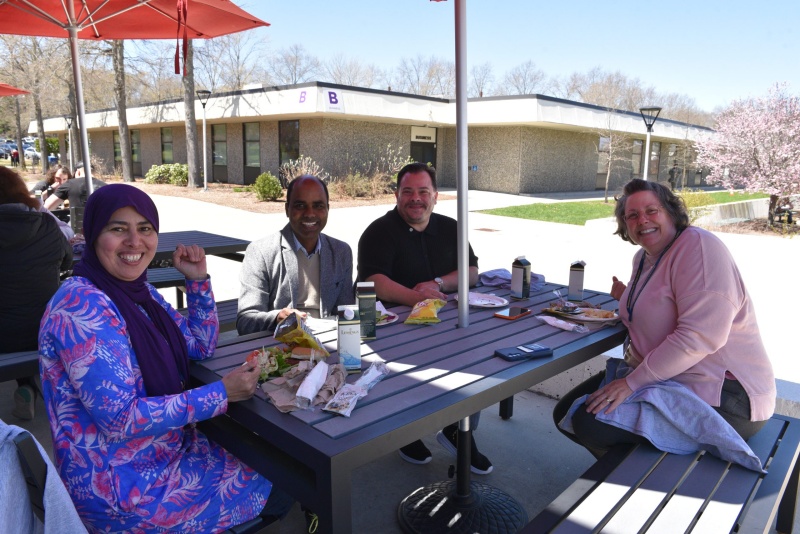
x=219 y=133
x=117 y=148
x=636 y=157
x=655 y=158
x=136 y=146
x=166 y=146
x=602 y=155
x=252 y=142
x=289 y=140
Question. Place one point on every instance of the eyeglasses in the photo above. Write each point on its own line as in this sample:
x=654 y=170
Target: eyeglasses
x=651 y=212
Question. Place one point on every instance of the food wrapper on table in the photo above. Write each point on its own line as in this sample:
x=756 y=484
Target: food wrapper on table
x=563 y=325
x=283 y=391
x=425 y=312
x=294 y=332
x=345 y=399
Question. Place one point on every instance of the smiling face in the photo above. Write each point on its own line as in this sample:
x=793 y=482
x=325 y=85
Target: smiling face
x=652 y=232
x=307 y=210
x=126 y=245
x=416 y=198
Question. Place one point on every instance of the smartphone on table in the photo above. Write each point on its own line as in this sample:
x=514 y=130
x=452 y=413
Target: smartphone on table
x=514 y=312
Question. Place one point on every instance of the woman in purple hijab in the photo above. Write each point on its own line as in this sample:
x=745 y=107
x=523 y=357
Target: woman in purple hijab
x=115 y=367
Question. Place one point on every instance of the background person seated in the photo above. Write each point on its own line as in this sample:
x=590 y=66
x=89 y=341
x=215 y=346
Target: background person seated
x=33 y=252
x=53 y=179
x=75 y=190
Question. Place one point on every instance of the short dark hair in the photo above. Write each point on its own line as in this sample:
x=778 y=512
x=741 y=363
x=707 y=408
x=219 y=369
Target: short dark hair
x=413 y=168
x=673 y=205
x=290 y=187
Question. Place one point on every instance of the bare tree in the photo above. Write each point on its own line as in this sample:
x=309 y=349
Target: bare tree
x=18 y=138
x=230 y=62
x=524 y=79
x=151 y=72
x=613 y=148
x=481 y=79
x=118 y=59
x=430 y=76
x=293 y=65
x=192 y=153
x=348 y=71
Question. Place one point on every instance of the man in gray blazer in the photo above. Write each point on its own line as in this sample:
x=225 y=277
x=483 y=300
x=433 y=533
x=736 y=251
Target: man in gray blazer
x=296 y=269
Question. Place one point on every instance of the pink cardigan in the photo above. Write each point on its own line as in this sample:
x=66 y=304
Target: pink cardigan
x=694 y=321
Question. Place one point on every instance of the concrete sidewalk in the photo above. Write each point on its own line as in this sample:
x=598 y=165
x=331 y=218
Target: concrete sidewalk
x=532 y=460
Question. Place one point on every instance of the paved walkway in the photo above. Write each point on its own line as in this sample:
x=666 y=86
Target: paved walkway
x=533 y=462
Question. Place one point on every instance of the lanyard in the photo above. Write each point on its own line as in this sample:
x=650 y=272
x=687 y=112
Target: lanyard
x=631 y=300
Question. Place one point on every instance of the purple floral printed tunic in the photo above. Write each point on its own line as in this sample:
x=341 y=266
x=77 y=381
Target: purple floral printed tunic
x=130 y=462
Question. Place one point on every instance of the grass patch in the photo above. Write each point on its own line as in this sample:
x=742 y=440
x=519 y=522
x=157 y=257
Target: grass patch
x=580 y=212
x=245 y=189
x=559 y=212
x=724 y=197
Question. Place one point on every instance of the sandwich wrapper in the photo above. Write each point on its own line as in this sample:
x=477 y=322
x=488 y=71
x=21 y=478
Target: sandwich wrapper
x=283 y=391
x=563 y=325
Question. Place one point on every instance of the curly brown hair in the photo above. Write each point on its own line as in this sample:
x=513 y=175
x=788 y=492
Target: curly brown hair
x=673 y=205
x=13 y=189
x=50 y=177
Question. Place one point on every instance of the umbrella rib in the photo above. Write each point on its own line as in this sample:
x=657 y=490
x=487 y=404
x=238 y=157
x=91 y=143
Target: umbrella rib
x=88 y=19
x=37 y=12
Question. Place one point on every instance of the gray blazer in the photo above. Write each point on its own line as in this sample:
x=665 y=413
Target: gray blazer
x=269 y=279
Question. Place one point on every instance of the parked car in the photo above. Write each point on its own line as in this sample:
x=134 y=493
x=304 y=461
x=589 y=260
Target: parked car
x=5 y=152
x=31 y=153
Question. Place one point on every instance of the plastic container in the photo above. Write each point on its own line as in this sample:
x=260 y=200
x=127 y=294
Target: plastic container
x=520 y=279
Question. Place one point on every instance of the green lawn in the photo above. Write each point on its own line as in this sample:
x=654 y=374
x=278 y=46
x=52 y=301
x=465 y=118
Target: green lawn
x=580 y=212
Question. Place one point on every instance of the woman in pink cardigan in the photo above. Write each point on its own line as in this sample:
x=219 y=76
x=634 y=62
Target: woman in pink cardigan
x=690 y=320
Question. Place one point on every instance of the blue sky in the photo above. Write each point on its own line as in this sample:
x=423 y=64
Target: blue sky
x=714 y=51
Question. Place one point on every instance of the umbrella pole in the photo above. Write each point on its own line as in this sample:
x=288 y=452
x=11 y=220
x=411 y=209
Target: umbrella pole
x=76 y=72
x=462 y=153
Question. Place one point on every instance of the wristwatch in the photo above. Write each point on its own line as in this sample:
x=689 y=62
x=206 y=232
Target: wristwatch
x=440 y=282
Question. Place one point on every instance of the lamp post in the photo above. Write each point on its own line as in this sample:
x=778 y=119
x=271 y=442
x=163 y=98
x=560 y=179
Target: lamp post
x=204 y=95
x=650 y=115
x=68 y=120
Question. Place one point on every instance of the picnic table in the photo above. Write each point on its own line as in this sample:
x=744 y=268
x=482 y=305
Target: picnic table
x=440 y=374
x=215 y=245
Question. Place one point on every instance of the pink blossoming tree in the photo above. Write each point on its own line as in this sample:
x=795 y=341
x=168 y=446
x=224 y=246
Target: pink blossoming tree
x=756 y=146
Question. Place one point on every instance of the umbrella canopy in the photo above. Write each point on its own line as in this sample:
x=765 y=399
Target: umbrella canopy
x=125 y=19
x=120 y=19
x=10 y=90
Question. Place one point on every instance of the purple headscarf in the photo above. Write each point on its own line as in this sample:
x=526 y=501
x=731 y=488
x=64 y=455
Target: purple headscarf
x=158 y=343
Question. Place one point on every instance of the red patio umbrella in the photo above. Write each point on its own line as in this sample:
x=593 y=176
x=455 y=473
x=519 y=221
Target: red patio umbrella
x=121 y=19
x=10 y=90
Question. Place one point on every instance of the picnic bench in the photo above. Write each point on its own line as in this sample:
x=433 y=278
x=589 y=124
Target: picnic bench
x=641 y=489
